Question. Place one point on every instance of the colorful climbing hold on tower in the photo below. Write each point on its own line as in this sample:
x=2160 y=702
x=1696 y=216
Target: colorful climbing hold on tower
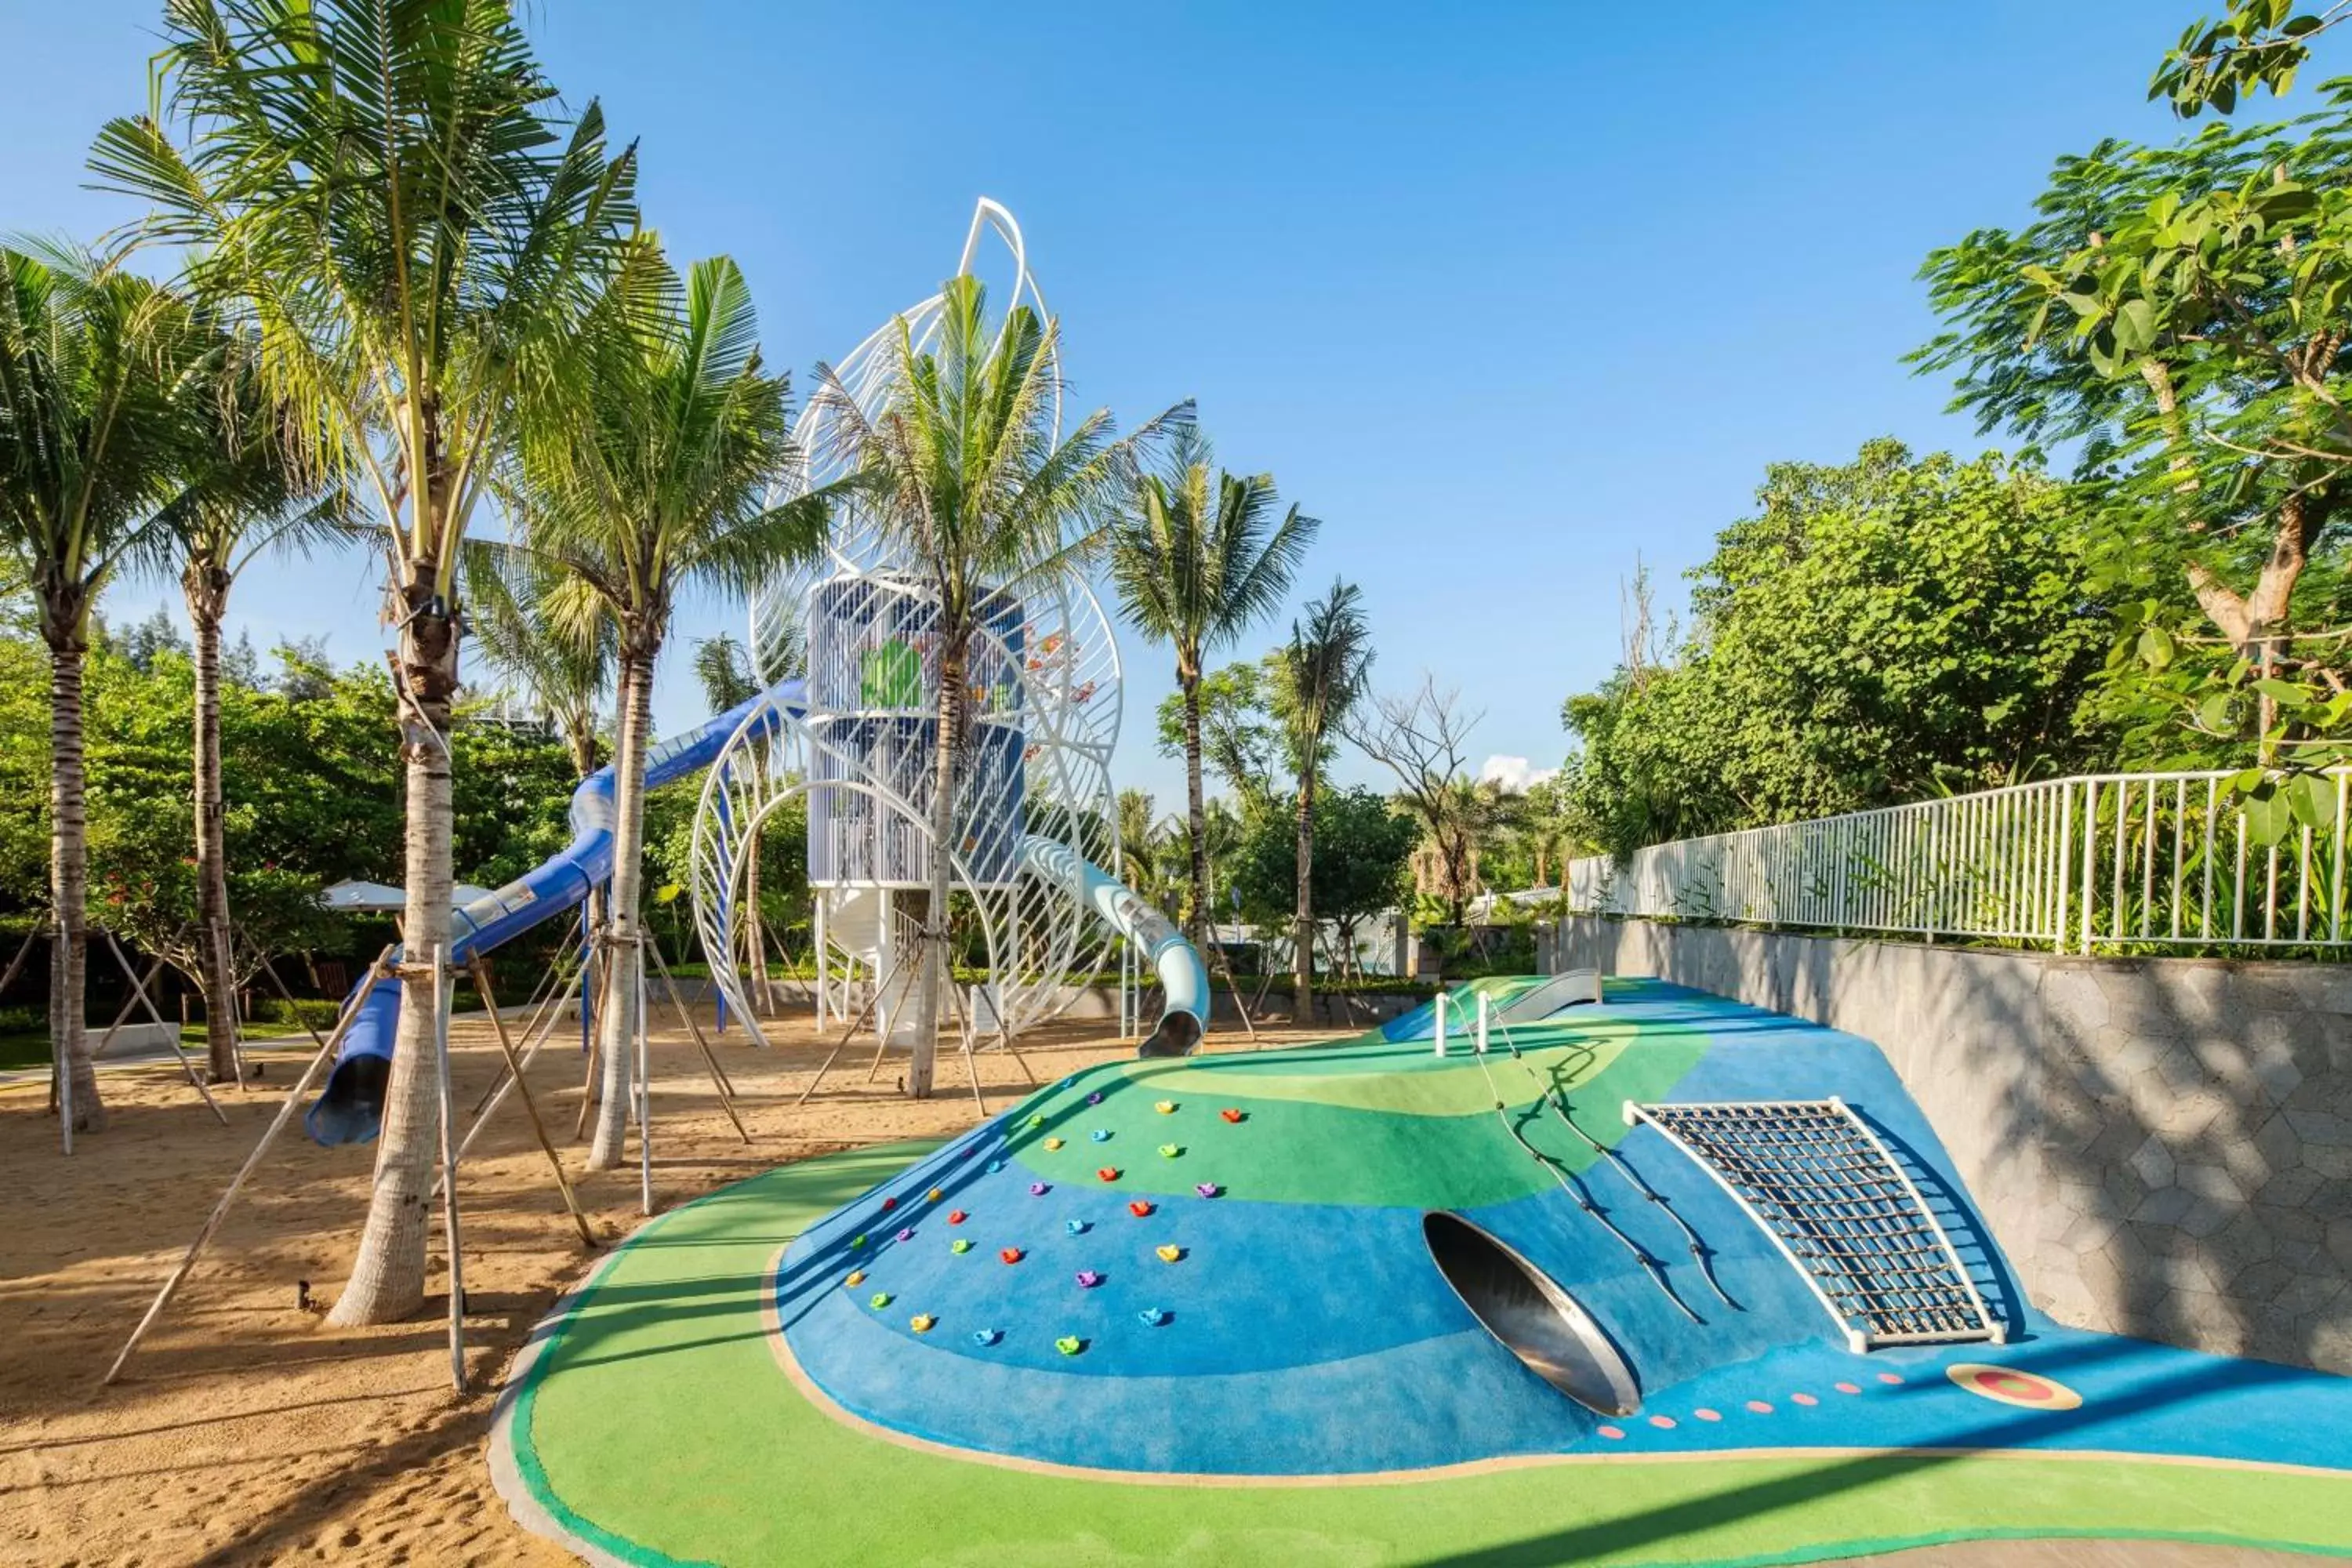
x=1170 y=1253
x=1140 y=1209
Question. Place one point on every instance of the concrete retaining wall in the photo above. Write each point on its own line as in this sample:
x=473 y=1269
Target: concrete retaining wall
x=2164 y=1147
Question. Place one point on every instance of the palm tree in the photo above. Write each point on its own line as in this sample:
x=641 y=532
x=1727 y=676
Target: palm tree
x=1320 y=675
x=659 y=484
x=1198 y=560
x=251 y=488
x=382 y=188
x=102 y=379
x=965 y=472
x=566 y=671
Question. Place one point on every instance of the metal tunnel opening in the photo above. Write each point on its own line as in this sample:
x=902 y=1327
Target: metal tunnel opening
x=1533 y=1317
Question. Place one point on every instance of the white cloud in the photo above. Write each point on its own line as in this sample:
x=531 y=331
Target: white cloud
x=1513 y=772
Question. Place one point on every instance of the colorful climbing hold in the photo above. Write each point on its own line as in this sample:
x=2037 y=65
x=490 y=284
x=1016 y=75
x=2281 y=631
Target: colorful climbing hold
x=1109 y=1173
x=1069 y=1344
x=957 y=1217
x=881 y=1300
x=1165 y=1107
x=1139 y=1208
x=1153 y=1316
x=1038 y=1121
x=935 y=1194
x=888 y=1203
x=1011 y=1254
x=1100 y=1134
x=986 y=1336
x=1094 y=1098
x=921 y=1323
x=961 y=1244
x=1089 y=1279
x=857 y=1278
x=1170 y=1151
x=1052 y=1144
x=1230 y=1114
x=1076 y=1226
x=1038 y=1189
x=905 y=1235
x=855 y=1242
x=1169 y=1254
x=994 y=1167
x=1207 y=1189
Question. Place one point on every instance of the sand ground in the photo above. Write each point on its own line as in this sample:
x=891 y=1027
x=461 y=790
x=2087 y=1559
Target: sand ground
x=247 y=1431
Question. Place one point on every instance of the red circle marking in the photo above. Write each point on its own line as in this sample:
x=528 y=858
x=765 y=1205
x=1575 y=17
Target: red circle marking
x=1889 y=1379
x=1802 y=1399
x=1759 y=1407
x=1848 y=1388
x=1704 y=1414
x=1662 y=1423
x=2008 y=1385
x=1614 y=1433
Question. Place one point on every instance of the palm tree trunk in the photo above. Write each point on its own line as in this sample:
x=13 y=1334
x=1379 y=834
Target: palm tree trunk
x=1302 y=957
x=70 y=888
x=1196 y=813
x=207 y=595
x=616 y=1026
x=943 y=804
x=387 y=1281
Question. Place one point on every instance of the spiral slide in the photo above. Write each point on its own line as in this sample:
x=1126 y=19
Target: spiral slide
x=350 y=1110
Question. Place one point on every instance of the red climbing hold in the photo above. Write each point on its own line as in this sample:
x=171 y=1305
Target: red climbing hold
x=1011 y=1254
x=1138 y=1209
x=889 y=1204
x=1109 y=1173
x=1230 y=1114
x=957 y=1217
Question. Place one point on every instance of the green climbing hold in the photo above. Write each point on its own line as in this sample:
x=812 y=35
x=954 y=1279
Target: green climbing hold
x=959 y=1245
x=1171 y=1150
x=881 y=1300
x=1069 y=1344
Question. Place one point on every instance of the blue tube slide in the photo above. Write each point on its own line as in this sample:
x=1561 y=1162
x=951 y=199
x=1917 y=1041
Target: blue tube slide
x=350 y=1110
x=1184 y=978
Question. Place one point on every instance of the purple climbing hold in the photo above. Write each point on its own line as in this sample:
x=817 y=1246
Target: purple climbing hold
x=1094 y=1098
x=905 y=1235
x=1089 y=1279
x=1207 y=1189
x=1038 y=1189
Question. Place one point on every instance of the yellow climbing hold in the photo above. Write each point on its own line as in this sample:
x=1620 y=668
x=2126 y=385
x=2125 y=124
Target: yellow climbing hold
x=1169 y=1254
x=921 y=1323
x=857 y=1277
x=1053 y=1142
x=1165 y=1107
x=936 y=1194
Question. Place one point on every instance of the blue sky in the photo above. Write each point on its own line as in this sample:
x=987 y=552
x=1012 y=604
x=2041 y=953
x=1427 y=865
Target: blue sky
x=1508 y=295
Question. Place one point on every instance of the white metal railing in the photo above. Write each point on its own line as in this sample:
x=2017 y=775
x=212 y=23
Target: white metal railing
x=2161 y=859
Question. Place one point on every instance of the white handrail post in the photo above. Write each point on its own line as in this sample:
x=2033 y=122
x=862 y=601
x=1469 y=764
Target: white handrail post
x=1441 y=1023
x=1483 y=1017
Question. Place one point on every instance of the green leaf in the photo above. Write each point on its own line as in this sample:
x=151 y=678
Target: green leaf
x=2268 y=815
x=2312 y=797
x=2286 y=694
x=2135 y=325
x=2156 y=647
x=2213 y=713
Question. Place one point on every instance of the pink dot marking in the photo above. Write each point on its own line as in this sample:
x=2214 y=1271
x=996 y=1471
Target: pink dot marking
x=1614 y=1433
x=1704 y=1414
x=1889 y=1379
x=1802 y=1399
x=1662 y=1423
x=1849 y=1388
x=1759 y=1407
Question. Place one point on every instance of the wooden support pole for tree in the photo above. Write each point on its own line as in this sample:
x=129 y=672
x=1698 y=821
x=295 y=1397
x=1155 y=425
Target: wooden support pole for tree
x=139 y=995
x=717 y=1075
x=449 y=1236
x=531 y=1108
x=17 y=962
x=644 y=1082
x=535 y=1012
x=376 y=973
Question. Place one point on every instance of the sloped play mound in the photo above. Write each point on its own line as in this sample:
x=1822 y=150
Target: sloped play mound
x=1347 y=1264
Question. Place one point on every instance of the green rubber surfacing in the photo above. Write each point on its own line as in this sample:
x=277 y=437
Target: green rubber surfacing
x=650 y=1423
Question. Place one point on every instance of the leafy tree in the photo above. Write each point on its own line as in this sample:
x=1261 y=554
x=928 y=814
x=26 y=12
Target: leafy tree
x=562 y=670
x=966 y=471
x=2182 y=313
x=382 y=188
x=101 y=377
x=1239 y=736
x=1883 y=630
x=1421 y=738
x=2256 y=44
x=1199 y=559
x=660 y=485
x=1319 y=676
x=1360 y=849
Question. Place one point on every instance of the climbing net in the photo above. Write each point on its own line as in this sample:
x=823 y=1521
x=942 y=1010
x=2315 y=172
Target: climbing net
x=1832 y=1199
